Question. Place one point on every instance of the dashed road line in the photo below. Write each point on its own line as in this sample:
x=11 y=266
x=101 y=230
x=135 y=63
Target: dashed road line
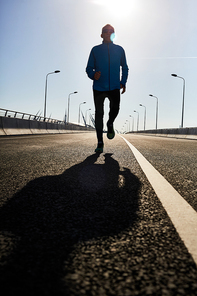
x=182 y=215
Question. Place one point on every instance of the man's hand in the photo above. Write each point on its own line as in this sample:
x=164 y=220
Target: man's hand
x=97 y=75
x=123 y=88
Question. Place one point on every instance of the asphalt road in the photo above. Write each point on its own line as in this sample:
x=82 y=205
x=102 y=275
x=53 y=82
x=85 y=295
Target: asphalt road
x=76 y=223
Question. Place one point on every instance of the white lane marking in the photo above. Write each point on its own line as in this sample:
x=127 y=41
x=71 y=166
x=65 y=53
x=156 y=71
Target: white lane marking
x=182 y=215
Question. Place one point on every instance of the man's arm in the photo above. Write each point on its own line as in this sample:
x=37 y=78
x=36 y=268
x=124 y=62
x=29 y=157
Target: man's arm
x=125 y=71
x=123 y=87
x=90 y=69
x=97 y=75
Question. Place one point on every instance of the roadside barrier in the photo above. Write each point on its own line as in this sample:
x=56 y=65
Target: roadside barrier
x=179 y=133
x=18 y=123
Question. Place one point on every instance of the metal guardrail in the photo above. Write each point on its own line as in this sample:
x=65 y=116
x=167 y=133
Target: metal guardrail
x=22 y=115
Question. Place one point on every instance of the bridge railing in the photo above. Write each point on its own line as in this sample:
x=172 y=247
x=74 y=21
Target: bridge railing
x=22 y=115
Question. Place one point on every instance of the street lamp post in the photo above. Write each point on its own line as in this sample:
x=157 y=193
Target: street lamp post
x=45 y=99
x=75 y=92
x=137 y=119
x=174 y=75
x=133 y=122
x=79 y=111
x=156 y=109
x=144 y=115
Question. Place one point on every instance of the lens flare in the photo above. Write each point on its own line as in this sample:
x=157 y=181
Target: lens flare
x=112 y=37
x=118 y=8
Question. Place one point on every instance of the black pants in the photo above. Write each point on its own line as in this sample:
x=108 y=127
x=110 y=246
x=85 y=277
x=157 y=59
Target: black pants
x=114 y=106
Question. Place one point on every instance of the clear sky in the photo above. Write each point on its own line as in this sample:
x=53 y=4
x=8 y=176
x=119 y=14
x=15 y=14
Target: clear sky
x=41 y=36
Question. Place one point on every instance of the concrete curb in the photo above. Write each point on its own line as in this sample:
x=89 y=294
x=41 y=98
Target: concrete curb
x=189 y=137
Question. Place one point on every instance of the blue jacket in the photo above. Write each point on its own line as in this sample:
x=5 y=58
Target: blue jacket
x=107 y=58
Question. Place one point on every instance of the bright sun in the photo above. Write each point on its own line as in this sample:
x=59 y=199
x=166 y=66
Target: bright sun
x=117 y=7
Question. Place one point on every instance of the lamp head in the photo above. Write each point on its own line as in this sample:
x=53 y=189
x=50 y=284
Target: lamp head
x=57 y=71
x=174 y=75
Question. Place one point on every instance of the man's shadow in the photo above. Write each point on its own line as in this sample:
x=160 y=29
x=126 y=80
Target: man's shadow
x=42 y=222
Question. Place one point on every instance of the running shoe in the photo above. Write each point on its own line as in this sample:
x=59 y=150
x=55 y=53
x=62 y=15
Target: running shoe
x=99 y=148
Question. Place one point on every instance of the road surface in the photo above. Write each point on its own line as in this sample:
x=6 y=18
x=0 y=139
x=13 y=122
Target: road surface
x=73 y=222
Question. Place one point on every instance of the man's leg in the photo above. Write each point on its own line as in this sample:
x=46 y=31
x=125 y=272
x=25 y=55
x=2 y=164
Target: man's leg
x=99 y=98
x=114 y=106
